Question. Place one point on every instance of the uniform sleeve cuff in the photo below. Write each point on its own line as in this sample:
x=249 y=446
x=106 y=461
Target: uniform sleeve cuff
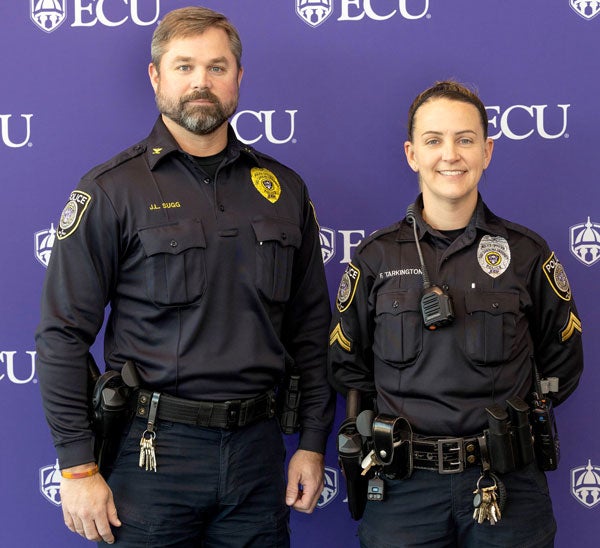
x=75 y=453
x=313 y=440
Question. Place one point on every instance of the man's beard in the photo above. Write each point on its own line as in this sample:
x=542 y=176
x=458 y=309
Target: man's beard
x=199 y=119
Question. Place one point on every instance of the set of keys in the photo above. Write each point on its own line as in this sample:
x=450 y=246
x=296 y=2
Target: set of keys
x=147 y=454
x=485 y=502
x=369 y=461
x=376 y=486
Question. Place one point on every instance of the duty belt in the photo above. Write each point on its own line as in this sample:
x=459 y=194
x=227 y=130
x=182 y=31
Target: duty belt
x=227 y=415
x=445 y=455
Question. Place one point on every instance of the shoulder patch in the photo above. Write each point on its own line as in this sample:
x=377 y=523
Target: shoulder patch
x=72 y=213
x=572 y=324
x=347 y=287
x=556 y=275
x=266 y=183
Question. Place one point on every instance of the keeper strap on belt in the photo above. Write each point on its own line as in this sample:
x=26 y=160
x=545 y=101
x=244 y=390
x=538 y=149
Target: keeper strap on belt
x=227 y=415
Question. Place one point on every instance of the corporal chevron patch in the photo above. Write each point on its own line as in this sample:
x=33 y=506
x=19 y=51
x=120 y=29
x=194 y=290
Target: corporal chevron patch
x=573 y=324
x=337 y=336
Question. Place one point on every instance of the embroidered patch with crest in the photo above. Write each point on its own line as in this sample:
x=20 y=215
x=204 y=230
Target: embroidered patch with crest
x=266 y=183
x=557 y=277
x=347 y=287
x=72 y=213
x=493 y=255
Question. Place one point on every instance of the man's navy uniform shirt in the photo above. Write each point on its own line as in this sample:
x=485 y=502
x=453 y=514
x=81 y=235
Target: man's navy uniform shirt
x=512 y=303
x=212 y=285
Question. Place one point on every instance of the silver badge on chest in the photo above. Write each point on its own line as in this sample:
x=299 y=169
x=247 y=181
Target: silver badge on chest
x=493 y=255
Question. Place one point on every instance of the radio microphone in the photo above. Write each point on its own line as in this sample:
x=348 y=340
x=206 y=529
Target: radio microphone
x=436 y=306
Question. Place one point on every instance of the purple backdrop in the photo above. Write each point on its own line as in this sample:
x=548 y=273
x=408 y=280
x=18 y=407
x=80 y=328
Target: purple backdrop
x=326 y=90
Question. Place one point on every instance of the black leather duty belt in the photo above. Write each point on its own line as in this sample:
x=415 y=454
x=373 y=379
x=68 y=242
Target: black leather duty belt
x=445 y=455
x=227 y=415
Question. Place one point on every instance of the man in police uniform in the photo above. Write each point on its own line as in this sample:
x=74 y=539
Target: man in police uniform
x=436 y=340
x=208 y=253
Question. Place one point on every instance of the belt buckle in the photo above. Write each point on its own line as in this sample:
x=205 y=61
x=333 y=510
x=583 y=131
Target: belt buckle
x=454 y=466
x=233 y=414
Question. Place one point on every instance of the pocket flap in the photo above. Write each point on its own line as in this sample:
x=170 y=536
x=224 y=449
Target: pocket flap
x=268 y=229
x=398 y=302
x=173 y=238
x=491 y=302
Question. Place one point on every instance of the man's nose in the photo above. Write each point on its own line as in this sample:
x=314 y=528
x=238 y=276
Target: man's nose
x=200 y=79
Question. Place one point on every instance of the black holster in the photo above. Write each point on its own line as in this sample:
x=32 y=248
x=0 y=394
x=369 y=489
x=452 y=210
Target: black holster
x=351 y=448
x=110 y=409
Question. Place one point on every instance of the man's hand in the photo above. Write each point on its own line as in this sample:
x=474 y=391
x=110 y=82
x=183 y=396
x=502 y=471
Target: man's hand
x=88 y=506
x=305 y=480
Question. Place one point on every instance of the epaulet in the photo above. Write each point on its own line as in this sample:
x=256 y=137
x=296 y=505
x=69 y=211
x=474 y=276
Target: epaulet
x=527 y=232
x=117 y=160
x=378 y=234
x=258 y=155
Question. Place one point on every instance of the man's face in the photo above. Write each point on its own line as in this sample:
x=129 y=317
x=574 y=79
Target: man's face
x=198 y=83
x=448 y=150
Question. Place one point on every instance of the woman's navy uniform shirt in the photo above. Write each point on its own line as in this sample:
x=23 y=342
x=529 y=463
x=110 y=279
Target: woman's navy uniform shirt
x=512 y=303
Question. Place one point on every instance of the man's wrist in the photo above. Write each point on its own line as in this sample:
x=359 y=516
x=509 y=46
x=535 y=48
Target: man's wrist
x=80 y=471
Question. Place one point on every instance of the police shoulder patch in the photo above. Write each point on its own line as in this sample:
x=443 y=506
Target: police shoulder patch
x=72 y=213
x=266 y=183
x=556 y=275
x=347 y=287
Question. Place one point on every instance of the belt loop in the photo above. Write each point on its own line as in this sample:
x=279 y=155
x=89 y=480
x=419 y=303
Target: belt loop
x=246 y=412
x=204 y=415
x=233 y=414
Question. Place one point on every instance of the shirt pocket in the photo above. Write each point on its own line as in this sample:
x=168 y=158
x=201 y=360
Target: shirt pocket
x=398 y=337
x=490 y=326
x=175 y=262
x=276 y=242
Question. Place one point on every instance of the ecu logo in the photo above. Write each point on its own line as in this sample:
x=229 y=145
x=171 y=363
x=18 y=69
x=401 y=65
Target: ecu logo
x=314 y=12
x=48 y=15
x=588 y=9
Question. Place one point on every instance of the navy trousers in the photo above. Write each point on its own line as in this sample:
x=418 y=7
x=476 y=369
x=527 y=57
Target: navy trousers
x=212 y=488
x=435 y=510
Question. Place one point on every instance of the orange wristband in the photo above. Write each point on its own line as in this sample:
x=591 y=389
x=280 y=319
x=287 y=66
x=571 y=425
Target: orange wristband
x=78 y=475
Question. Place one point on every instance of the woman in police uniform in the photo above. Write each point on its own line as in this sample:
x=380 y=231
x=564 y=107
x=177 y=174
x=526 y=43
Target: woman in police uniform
x=441 y=316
